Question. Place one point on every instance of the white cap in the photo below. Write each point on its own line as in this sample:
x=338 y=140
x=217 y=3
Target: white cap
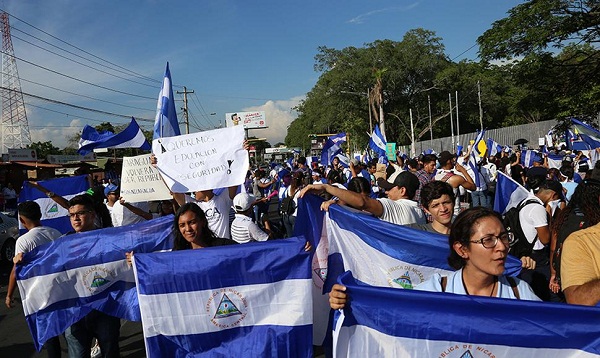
x=243 y=202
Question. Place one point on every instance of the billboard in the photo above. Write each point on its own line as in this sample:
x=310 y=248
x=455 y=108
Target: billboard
x=22 y=155
x=248 y=120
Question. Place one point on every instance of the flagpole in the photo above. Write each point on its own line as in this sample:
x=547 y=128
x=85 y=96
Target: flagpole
x=430 y=125
x=451 y=120
x=457 y=122
x=412 y=135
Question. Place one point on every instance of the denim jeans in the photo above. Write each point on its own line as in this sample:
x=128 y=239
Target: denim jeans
x=481 y=198
x=96 y=324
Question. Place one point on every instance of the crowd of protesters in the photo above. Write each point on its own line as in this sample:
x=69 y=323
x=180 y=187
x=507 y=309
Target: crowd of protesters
x=432 y=192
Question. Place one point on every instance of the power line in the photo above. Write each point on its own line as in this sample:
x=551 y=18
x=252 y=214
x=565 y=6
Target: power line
x=77 y=79
x=76 y=106
x=81 y=63
x=66 y=114
x=82 y=95
x=462 y=53
x=80 y=49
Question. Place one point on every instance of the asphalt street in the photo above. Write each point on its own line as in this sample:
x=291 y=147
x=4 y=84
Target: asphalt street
x=16 y=340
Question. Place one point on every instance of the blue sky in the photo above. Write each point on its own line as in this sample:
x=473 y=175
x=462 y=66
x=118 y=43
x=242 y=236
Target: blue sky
x=235 y=55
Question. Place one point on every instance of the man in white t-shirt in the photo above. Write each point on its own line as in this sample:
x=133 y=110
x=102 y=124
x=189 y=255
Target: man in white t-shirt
x=30 y=215
x=398 y=208
x=534 y=222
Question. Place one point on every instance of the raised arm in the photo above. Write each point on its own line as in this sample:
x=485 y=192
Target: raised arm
x=351 y=198
x=57 y=198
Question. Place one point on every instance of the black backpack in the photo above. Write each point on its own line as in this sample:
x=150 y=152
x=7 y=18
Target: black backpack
x=512 y=223
x=575 y=221
x=288 y=206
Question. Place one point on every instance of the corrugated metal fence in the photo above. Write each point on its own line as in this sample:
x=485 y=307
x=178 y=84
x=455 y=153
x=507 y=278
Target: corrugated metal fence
x=504 y=136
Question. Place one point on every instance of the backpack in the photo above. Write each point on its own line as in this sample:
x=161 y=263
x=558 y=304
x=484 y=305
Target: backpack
x=288 y=206
x=512 y=223
x=575 y=221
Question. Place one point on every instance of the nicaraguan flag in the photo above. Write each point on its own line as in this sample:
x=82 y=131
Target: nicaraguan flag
x=382 y=322
x=235 y=301
x=555 y=160
x=63 y=281
x=165 y=123
x=330 y=150
x=528 y=157
x=493 y=147
x=377 y=142
x=473 y=165
x=378 y=252
x=130 y=137
x=54 y=215
x=338 y=138
x=509 y=193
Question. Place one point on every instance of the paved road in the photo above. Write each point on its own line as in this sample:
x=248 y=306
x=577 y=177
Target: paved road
x=16 y=341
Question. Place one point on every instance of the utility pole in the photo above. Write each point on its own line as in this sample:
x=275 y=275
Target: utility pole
x=451 y=120
x=185 y=108
x=430 y=125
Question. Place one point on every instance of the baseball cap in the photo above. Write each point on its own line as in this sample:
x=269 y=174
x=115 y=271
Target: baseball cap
x=400 y=179
x=110 y=188
x=555 y=186
x=243 y=202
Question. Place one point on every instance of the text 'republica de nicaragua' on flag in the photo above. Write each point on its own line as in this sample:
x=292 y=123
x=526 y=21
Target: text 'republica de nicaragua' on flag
x=250 y=300
x=383 y=322
x=64 y=280
x=378 y=252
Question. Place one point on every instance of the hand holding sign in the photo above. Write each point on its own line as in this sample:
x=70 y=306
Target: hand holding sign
x=202 y=161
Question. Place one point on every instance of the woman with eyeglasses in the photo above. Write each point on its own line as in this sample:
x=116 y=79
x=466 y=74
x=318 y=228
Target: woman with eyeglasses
x=479 y=246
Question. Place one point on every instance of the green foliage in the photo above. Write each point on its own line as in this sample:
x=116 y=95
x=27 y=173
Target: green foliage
x=44 y=148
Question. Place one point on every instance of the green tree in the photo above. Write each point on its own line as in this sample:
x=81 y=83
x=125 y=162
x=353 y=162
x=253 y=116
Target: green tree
x=394 y=72
x=535 y=26
x=43 y=149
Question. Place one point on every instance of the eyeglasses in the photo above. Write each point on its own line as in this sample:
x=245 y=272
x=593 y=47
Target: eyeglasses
x=79 y=213
x=491 y=241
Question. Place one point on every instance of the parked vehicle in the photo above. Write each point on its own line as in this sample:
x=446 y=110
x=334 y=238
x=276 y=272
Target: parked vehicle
x=9 y=232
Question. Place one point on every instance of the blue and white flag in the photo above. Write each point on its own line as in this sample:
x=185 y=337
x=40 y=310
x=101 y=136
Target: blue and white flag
x=330 y=151
x=338 y=138
x=64 y=280
x=378 y=252
x=473 y=164
x=234 y=301
x=130 y=137
x=165 y=123
x=555 y=160
x=377 y=142
x=493 y=147
x=528 y=157
x=382 y=322
x=54 y=215
x=509 y=193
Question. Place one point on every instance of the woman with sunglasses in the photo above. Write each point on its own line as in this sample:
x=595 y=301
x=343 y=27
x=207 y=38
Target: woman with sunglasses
x=479 y=246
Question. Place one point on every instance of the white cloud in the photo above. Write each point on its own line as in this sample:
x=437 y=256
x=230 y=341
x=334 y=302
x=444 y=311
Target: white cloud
x=57 y=134
x=279 y=115
x=361 y=18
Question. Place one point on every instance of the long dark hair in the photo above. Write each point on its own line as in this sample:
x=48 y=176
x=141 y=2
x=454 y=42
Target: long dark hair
x=463 y=228
x=206 y=235
x=584 y=198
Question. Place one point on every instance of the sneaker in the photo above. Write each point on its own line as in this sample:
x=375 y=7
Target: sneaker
x=96 y=351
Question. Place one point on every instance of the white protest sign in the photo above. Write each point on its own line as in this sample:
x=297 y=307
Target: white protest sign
x=202 y=161
x=140 y=181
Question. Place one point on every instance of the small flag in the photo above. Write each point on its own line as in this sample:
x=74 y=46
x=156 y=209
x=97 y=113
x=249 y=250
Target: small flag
x=377 y=142
x=131 y=137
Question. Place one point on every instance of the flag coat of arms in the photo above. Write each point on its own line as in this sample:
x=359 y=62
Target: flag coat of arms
x=383 y=322
x=54 y=215
x=64 y=280
x=378 y=252
x=250 y=300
